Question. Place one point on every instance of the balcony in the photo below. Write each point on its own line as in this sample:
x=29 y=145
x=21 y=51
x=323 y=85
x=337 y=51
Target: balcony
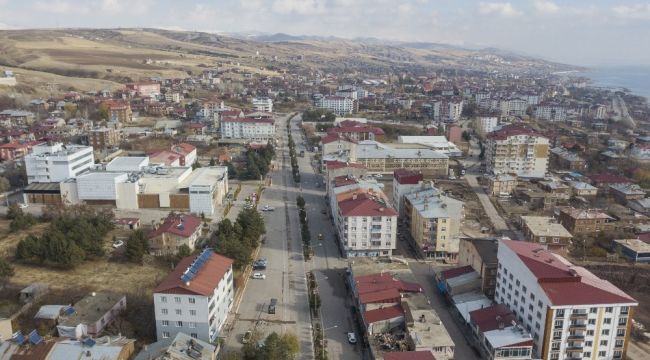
x=576 y=326
x=579 y=315
x=576 y=337
x=574 y=348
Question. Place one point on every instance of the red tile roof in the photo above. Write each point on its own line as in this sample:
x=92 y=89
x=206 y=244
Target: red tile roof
x=183 y=148
x=390 y=295
x=248 y=120
x=645 y=237
x=356 y=129
x=203 y=283
x=343 y=180
x=409 y=355
x=609 y=179
x=335 y=164
x=180 y=224
x=489 y=318
x=390 y=312
x=405 y=176
x=452 y=273
x=166 y=156
x=363 y=205
x=382 y=288
x=511 y=130
x=563 y=283
x=332 y=137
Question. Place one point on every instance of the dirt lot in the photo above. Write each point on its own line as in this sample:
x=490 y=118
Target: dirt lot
x=8 y=241
x=634 y=280
x=475 y=217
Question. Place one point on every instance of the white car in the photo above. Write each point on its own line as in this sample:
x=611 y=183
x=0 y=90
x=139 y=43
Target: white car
x=268 y=208
x=352 y=338
x=259 y=276
x=118 y=244
x=23 y=206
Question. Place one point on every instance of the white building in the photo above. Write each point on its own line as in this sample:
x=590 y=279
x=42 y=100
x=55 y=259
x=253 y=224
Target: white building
x=264 y=104
x=436 y=143
x=366 y=224
x=207 y=187
x=550 y=112
x=337 y=104
x=486 y=124
x=248 y=128
x=57 y=162
x=128 y=163
x=195 y=298
x=571 y=313
x=515 y=149
x=404 y=182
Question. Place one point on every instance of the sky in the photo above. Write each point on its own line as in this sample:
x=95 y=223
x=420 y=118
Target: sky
x=580 y=32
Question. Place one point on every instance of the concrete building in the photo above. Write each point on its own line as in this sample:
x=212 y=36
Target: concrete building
x=263 y=104
x=195 y=298
x=635 y=250
x=569 y=311
x=546 y=232
x=337 y=104
x=498 y=335
x=119 y=111
x=501 y=184
x=518 y=150
x=145 y=88
x=623 y=193
x=404 y=182
x=180 y=347
x=175 y=231
x=435 y=222
x=584 y=221
x=436 y=143
x=91 y=315
x=486 y=124
x=550 y=112
x=337 y=147
x=384 y=158
x=128 y=164
x=16 y=150
x=102 y=138
x=57 y=162
x=563 y=159
x=247 y=128
x=481 y=255
x=366 y=225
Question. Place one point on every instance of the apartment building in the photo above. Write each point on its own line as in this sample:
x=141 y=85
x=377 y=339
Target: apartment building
x=367 y=225
x=337 y=104
x=102 y=138
x=195 y=298
x=565 y=160
x=15 y=150
x=404 y=182
x=550 y=112
x=571 y=313
x=385 y=158
x=175 y=231
x=57 y=162
x=435 y=223
x=119 y=111
x=481 y=255
x=584 y=221
x=518 y=150
x=263 y=104
x=501 y=184
x=145 y=88
x=248 y=128
x=486 y=124
x=339 y=147
x=546 y=232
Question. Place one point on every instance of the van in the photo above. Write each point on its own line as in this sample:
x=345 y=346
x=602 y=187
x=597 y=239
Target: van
x=272 y=304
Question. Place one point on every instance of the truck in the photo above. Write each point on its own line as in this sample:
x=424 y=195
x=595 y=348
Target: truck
x=271 y=309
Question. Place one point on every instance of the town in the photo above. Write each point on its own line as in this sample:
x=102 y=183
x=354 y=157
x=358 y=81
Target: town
x=262 y=208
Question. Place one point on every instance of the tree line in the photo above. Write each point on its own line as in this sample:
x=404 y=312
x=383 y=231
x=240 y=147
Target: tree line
x=258 y=163
x=318 y=115
x=237 y=241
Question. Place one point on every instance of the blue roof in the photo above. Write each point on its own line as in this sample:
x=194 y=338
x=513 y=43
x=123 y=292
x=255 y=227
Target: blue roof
x=34 y=338
x=18 y=337
x=89 y=342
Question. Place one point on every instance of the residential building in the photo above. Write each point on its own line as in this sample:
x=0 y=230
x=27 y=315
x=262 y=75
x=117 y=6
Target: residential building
x=604 y=181
x=337 y=104
x=546 y=232
x=334 y=169
x=584 y=221
x=550 y=112
x=263 y=104
x=563 y=159
x=501 y=184
x=145 y=88
x=187 y=153
x=57 y=162
x=435 y=222
x=640 y=153
x=102 y=138
x=404 y=182
x=498 y=335
x=384 y=158
x=337 y=147
x=437 y=143
x=247 y=128
x=367 y=225
x=518 y=150
x=16 y=150
x=357 y=131
x=623 y=193
x=175 y=231
x=180 y=347
x=91 y=315
x=579 y=188
x=119 y=111
x=635 y=250
x=195 y=298
x=569 y=311
x=34 y=347
x=486 y=124
x=481 y=255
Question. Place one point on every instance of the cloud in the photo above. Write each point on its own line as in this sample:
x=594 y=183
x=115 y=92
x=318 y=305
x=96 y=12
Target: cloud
x=546 y=7
x=301 y=7
x=501 y=9
x=201 y=14
x=58 y=7
x=637 y=11
x=124 y=6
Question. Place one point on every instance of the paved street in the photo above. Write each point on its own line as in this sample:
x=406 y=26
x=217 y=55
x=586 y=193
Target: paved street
x=285 y=274
x=496 y=219
x=327 y=264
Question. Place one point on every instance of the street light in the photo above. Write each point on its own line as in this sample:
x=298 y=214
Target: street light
x=323 y=339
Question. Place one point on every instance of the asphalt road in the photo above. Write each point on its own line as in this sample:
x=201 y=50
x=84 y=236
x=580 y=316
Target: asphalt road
x=285 y=274
x=327 y=264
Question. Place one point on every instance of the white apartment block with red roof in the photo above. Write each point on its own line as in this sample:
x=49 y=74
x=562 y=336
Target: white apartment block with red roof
x=571 y=313
x=515 y=149
x=366 y=224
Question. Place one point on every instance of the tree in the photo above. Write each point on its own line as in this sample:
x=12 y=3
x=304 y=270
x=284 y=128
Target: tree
x=466 y=136
x=213 y=162
x=6 y=271
x=196 y=165
x=5 y=185
x=136 y=246
x=183 y=251
x=300 y=201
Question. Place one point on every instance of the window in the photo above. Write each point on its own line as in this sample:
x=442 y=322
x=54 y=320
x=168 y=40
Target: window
x=165 y=323
x=587 y=354
x=532 y=296
x=603 y=343
x=523 y=288
x=588 y=343
x=624 y=310
x=558 y=313
x=163 y=311
x=607 y=321
x=602 y=353
x=177 y=299
x=165 y=334
x=592 y=321
x=179 y=324
x=192 y=300
x=539 y=315
x=622 y=321
x=538 y=326
x=542 y=239
x=194 y=335
x=555 y=345
x=555 y=356
x=192 y=312
x=590 y=333
x=619 y=343
x=593 y=310
x=510 y=276
x=163 y=299
x=517 y=282
x=609 y=309
x=191 y=325
x=558 y=323
x=179 y=312
x=539 y=303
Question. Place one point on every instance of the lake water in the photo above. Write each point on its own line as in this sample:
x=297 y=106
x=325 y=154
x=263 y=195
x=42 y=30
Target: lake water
x=635 y=78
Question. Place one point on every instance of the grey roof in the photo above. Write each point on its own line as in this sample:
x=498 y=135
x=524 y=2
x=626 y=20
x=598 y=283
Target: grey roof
x=91 y=308
x=369 y=149
x=487 y=249
x=177 y=347
x=49 y=312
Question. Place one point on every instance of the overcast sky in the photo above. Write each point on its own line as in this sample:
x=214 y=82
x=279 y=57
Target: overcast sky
x=581 y=32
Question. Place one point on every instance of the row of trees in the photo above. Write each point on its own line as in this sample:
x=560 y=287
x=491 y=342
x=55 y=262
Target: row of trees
x=75 y=234
x=304 y=227
x=318 y=115
x=275 y=347
x=258 y=163
x=237 y=241
x=295 y=170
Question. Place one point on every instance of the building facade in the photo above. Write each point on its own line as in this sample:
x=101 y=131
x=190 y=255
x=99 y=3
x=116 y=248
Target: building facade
x=57 y=162
x=102 y=138
x=518 y=150
x=337 y=104
x=264 y=104
x=262 y=129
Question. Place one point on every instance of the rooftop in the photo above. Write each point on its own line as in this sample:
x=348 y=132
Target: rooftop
x=105 y=348
x=409 y=355
x=492 y=317
x=407 y=177
x=369 y=149
x=180 y=347
x=583 y=214
x=204 y=281
x=365 y=205
x=636 y=245
x=512 y=130
x=180 y=225
x=91 y=308
x=545 y=226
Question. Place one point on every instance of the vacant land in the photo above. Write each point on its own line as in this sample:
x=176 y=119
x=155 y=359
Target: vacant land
x=9 y=240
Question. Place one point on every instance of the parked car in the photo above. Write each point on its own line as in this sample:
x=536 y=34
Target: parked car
x=118 y=244
x=248 y=335
x=259 y=276
x=268 y=208
x=23 y=205
x=352 y=338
